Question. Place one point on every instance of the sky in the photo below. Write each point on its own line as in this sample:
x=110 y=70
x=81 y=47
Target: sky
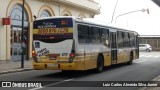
x=141 y=22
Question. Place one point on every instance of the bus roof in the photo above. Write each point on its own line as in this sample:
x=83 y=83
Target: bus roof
x=56 y=17
x=104 y=24
x=90 y=21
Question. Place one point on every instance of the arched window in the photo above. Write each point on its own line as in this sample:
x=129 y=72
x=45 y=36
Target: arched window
x=45 y=13
x=16 y=13
x=65 y=15
x=82 y=16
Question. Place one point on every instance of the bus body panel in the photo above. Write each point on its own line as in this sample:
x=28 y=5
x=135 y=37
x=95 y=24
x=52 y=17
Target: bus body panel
x=55 y=53
x=53 y=43
x=49 y=52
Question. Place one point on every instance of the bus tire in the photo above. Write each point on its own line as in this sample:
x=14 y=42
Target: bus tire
x=131 y=59
x=100 y=64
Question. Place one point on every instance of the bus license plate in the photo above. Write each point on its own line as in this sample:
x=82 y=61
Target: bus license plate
x=52 y=65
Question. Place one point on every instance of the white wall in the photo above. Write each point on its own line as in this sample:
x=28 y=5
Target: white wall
x=35 y=6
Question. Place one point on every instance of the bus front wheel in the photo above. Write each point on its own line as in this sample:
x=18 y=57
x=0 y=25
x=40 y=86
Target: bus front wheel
x=100 y=64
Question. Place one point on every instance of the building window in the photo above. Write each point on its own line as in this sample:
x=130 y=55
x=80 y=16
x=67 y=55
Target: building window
x=82 y=16
x=16 y=13
x=16 y=33
x=65 y=15
x=45 y=13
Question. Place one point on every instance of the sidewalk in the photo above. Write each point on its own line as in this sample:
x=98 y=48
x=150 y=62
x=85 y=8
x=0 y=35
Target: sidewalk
x=11 y=67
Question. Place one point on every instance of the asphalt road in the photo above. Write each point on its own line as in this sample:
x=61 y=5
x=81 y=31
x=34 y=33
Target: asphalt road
x=146 y=68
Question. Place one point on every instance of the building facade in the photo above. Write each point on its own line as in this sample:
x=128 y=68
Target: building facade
x=10 y=35
x=153 y=40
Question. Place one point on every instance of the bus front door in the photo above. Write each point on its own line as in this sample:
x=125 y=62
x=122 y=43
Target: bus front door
x=113 y=47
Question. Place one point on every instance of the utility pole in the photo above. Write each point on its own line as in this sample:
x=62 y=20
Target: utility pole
x=22 y=39
x=114 y=11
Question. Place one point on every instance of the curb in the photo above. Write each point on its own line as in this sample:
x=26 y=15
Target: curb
x=15 y=70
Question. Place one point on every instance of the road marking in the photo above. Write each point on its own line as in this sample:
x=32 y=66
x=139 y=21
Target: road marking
x=140 y=61
x=52 y=84
x=141 y=55
x=149 y=56
x=156 y=56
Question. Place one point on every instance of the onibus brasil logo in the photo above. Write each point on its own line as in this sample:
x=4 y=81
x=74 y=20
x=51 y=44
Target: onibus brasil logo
x=21 y=84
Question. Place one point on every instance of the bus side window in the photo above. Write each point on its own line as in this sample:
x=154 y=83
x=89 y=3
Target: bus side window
x=105 y=36
x=95 y=35
x=126 y=40
x=120 y=39
x=83 y=34
x=132 y=39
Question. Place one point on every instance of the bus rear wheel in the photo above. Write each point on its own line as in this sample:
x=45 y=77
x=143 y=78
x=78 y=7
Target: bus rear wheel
x=100 y=64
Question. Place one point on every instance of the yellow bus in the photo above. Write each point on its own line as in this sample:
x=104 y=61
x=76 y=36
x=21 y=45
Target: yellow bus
x=70 y=43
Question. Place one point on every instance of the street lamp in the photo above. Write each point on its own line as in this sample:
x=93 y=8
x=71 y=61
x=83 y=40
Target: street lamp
x=142 y=10
x=22 y=38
